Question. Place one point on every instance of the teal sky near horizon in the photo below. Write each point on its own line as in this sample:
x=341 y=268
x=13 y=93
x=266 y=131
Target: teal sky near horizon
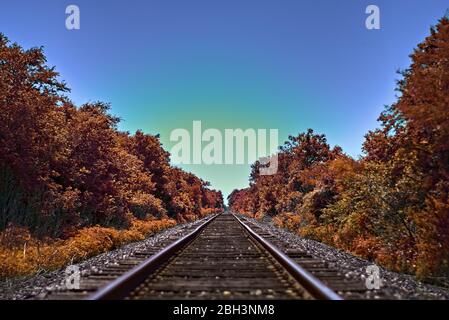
x=287 y=65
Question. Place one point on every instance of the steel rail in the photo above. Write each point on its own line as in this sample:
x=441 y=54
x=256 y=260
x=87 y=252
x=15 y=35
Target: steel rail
x=126 y=283
x=314 y=286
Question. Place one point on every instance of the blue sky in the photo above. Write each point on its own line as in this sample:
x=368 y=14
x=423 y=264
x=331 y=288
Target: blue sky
x=279 y=64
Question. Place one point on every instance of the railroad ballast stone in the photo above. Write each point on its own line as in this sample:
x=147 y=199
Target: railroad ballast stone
x=40 y=285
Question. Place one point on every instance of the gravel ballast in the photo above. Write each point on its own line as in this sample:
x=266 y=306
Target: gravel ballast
x=393 y=285
x=36 y=286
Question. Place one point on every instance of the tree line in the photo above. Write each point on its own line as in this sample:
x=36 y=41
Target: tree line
x=64 y=167
x=392 y=204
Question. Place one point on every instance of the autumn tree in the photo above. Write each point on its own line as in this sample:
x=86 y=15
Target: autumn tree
x=31 y=126
x=390 y=206
x=416 y=130
x=64 y=167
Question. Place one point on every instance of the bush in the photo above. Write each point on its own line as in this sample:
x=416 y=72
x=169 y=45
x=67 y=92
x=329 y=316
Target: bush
x=21 y=254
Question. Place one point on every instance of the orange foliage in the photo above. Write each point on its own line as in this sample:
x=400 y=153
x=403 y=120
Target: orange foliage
x=64 y=167
x=70 y=178
x=21 y=254
x=392 y=205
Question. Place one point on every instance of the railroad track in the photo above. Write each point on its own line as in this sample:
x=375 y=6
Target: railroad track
x=226 y=257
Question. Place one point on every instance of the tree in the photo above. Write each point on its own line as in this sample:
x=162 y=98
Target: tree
x=64 y=167
x=392 y=205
